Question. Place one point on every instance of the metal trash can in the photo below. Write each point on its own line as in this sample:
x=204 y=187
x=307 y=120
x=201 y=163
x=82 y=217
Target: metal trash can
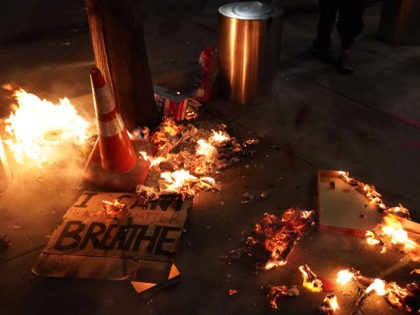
x=400 y=22
x=249 y=43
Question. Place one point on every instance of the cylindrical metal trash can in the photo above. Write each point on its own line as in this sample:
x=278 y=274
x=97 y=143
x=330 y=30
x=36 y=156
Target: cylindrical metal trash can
x=400 y=22
x=249 y=43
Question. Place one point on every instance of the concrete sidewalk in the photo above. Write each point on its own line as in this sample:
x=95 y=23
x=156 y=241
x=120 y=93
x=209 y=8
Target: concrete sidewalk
x=366 y=123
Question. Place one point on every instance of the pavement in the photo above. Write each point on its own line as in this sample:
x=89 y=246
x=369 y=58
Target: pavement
x=366 y=123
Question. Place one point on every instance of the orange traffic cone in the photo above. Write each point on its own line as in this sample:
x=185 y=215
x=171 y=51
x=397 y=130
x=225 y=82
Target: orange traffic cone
x=113 y=163
x=117 y=153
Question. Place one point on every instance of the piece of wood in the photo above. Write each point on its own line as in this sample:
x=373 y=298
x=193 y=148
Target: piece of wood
x=117 y=35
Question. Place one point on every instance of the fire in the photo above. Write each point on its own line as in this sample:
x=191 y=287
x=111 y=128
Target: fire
x=37 y=127
x=179 y=180
x=344 y=276
x=330 y=304
x=368 y=190
x=219 y=137
x=392 y=232
x=207 y=150
x=275 y=237
x=310 y=280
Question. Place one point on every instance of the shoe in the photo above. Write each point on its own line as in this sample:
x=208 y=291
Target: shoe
x=323 y=54
x=344 y=65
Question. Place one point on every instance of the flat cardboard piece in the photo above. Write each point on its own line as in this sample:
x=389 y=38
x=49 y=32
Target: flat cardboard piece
x=134 y=244
x=344 y=209
x=173 y=276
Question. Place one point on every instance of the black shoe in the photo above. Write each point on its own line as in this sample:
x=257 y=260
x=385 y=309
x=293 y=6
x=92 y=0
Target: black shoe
x=344 y=65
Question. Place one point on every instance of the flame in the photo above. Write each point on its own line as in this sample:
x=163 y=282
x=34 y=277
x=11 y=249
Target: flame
x=38 y=127
x=378 y=286
x=178 y=180
x=153 y=160
x=219 y=137
x=368 y=190
x=207 y=150
x=392 y=232
x=310 y=280
x=344 y=276
x=331 y=302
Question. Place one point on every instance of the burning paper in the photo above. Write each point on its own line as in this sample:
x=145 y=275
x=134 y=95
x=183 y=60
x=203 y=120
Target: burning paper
x=310 y=279
x=37 y=128
x=274 y=292
x=188 y=157
x=407 y=298
x=329 y=305
x=274 y=238
x=391 y=233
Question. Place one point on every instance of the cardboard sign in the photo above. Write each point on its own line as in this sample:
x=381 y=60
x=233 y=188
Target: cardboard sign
x=344 y=209
x=113 y=236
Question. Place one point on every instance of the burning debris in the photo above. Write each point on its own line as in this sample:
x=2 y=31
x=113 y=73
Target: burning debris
x=374 y=197
x=391 y=233
x=274 y=292
x=273 y=238
x=187 y=158
x=114 y=209
x=37 y=128
x=407 y=298
x=329 y=305
x=310 y=279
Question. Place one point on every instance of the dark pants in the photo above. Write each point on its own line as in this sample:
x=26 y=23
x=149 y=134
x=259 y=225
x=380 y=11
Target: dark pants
x=349 y=25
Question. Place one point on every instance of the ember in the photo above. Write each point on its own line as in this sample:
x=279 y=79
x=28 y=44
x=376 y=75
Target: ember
x=274 y=292
x=38 y=127
x=274 y=238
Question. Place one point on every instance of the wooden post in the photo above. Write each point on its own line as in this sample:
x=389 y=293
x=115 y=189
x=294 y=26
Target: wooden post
x=117 y=34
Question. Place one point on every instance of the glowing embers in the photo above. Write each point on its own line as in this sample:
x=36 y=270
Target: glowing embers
x=274 y=292
x=368 y=190
x=273 y=238
x=39 y=130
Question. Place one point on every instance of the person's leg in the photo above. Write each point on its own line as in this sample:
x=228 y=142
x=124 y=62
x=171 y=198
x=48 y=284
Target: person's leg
x=349 y=26
x=327 y=17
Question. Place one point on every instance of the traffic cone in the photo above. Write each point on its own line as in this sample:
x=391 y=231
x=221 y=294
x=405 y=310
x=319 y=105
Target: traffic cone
x=117 y=153
x=112 y=163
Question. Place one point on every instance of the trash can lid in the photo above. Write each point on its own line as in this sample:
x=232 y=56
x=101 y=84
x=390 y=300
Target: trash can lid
x=250 y=10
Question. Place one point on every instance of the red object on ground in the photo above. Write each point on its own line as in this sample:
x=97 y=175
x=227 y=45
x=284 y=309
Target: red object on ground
x=327 y=285
x=113 y=163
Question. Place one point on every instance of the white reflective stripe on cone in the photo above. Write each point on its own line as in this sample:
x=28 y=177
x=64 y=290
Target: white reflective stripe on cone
x=104 y=102
x=111 y=128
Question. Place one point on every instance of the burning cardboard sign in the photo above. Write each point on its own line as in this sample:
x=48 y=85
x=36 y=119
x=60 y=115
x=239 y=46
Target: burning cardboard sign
x=113 y=236
x=344 y=206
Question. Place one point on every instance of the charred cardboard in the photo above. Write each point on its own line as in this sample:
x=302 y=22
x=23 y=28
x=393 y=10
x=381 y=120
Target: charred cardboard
x=344 y=209
x=135 y=244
